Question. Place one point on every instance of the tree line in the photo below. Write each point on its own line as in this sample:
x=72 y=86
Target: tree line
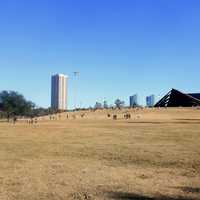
x=118 y=104
x=14 y=104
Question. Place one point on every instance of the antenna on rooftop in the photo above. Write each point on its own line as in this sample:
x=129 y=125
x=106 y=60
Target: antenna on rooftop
x=76 y=75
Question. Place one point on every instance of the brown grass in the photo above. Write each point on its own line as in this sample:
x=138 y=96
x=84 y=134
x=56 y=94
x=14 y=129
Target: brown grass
x=155 y=155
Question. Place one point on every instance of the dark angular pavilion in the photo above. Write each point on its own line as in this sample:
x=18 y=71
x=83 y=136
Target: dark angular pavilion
x=176 y=98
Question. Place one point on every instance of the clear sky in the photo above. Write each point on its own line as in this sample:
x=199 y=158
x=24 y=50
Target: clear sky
x=120 y=47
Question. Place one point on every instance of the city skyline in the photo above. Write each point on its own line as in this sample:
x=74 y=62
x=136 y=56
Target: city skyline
x=120 y=48
x=80 y=103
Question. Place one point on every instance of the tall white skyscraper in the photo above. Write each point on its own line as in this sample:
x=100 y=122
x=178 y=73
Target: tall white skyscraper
x=59 y=92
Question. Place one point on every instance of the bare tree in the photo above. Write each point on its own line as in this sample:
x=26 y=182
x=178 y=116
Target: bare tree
x=119 y=104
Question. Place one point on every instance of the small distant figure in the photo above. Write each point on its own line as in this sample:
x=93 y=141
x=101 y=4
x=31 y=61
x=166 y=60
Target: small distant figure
x=109 y=115
x=138 y=117
x=114 y=117
x=83 y=115
x=36 y=121
x=127 y=116
x=14 y=120
x=67 y=116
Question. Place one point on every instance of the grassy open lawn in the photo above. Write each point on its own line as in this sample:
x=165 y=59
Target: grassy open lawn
x=155 y=155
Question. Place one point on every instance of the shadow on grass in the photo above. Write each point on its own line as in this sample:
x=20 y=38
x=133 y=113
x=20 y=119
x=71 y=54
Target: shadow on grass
x=192 y=190
x=133 y=196
x=4 y=121
x=187 y=119
x=172 y=122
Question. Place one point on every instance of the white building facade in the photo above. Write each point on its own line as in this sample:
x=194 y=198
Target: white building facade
x=59 y=92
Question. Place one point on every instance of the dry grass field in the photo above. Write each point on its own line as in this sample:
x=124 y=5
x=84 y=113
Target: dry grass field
x=155 y=155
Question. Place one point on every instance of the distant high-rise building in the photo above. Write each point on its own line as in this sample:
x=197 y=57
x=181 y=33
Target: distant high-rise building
x=59 y=92
x=133 y=100
x=150 y=100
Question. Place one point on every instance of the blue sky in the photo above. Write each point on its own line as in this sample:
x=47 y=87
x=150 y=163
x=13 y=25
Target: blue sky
x=120 y=47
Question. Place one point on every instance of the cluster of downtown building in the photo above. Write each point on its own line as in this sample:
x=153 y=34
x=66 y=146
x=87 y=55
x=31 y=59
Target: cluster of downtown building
x=59 y=85
x=150 y=101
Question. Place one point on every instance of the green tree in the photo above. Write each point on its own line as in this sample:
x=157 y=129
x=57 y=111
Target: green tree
x=14 y=104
